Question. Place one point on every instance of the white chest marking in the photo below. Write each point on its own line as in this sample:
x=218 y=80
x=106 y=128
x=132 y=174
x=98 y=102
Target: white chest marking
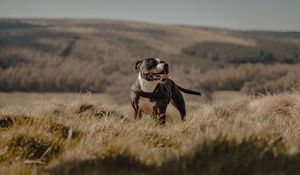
x=144 y=103
x=147 y=86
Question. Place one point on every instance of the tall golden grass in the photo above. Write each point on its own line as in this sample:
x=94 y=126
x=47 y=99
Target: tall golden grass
x=90 y=134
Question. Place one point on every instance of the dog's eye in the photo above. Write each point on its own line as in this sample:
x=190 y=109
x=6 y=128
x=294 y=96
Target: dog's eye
x=152 y=66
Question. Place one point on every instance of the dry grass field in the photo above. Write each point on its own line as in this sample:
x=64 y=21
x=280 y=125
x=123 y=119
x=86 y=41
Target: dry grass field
x=247 y=122
x=90 y=134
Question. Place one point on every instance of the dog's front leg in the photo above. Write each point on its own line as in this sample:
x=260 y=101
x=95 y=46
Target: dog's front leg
x=159 y=114
x=138 y=113
x=161 y=119
x=137 y=110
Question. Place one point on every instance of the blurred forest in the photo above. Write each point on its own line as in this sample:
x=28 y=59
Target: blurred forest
x=69 y=55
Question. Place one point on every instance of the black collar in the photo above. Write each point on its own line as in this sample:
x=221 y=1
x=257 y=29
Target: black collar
x=151 y=95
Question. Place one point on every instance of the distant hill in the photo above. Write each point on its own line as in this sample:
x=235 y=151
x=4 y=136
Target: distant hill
x=98 y=55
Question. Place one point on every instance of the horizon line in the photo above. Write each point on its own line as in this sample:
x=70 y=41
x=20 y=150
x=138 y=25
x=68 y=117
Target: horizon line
x=157 y=23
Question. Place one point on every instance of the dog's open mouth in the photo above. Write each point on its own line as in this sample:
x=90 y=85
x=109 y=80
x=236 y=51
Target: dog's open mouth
x=158 y=76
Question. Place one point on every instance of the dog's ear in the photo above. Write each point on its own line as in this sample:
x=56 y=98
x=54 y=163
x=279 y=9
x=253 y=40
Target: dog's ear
x=137 y=65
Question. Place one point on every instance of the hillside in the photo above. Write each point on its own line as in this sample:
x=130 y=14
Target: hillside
x=69 y=55
x=87 y=134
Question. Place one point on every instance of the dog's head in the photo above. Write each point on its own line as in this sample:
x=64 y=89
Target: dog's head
x=153 y=69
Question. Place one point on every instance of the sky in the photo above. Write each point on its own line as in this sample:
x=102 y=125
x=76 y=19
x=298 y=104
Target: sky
x=280 y=15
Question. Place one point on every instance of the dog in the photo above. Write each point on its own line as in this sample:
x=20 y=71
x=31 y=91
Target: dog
x=153 y=90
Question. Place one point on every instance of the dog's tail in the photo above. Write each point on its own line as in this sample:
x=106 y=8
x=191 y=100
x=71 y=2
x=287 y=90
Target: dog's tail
x=187 y=91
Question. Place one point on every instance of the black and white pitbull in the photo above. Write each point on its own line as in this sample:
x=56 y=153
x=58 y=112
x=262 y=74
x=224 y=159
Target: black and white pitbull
x=153 y=90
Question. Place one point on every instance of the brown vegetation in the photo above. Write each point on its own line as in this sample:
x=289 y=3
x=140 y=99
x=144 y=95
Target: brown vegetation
x=253 y=78
x=98 y=56
x=82 y=134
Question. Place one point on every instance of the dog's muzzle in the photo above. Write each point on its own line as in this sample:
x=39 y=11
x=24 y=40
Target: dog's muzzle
x=163 y=75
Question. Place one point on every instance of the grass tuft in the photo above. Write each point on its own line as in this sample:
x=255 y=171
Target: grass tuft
x=23 y=147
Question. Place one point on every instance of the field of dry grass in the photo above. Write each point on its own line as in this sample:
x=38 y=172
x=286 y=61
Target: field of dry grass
x=90 y=134
x=226 y=132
